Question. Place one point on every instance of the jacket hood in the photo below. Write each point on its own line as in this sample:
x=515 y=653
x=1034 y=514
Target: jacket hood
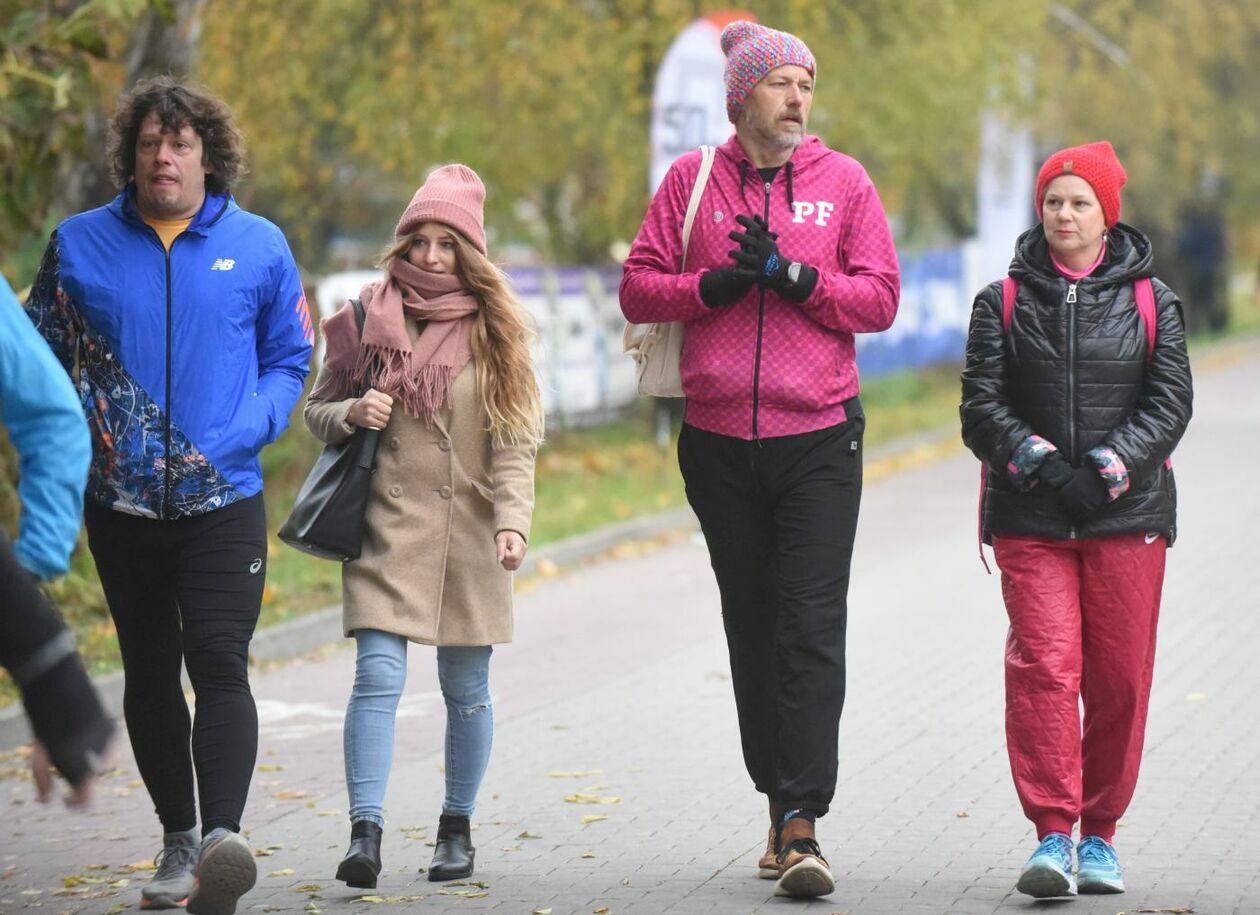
x=213 y=208
x=1129 y=257
x=808 y=152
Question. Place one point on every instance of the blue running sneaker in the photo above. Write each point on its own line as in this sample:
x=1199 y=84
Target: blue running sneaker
x=1049 y=870
x=1098 y=869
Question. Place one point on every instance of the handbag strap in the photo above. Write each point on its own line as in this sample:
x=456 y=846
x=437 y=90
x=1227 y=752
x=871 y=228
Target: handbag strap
x=360 y=315
x=707 y=154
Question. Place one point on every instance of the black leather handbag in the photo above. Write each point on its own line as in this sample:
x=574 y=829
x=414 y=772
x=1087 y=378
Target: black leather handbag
x=327 y=516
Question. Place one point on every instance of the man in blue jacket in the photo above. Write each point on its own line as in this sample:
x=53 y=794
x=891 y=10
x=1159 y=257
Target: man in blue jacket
x=182 y=319
x=45 y=425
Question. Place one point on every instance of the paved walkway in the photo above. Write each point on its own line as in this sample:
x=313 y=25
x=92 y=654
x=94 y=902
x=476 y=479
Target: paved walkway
x=617 y=689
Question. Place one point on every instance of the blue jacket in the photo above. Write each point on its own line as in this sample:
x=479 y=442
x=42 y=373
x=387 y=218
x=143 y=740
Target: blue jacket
x=187 y=363
x=39 y=408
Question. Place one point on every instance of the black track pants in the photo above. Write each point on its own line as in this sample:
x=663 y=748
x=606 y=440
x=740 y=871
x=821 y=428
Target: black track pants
x=187 y=590
x=779 y=516
x=38 y=652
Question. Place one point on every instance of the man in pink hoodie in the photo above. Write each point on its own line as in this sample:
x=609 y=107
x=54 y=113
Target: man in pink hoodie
x=790 y=255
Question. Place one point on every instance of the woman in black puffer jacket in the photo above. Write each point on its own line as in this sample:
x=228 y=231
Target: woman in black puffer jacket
x=1074 y=407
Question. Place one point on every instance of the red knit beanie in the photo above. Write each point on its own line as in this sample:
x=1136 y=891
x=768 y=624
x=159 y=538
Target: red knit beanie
x=452 y=195
x=1098 y=165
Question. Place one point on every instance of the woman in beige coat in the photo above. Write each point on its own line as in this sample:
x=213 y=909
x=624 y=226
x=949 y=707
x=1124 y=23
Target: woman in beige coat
x=445 y=345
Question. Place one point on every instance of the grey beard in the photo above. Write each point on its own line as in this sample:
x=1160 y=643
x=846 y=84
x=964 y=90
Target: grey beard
x=779 y=139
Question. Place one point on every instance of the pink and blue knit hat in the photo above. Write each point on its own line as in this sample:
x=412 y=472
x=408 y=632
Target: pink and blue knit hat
x=752 y=51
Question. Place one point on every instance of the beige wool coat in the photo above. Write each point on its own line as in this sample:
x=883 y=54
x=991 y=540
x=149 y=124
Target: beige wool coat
x=428 y=570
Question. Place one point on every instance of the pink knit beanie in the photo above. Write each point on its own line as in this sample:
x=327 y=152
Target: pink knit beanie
x=1097 y=164
x=752 y=51
x=452 y=195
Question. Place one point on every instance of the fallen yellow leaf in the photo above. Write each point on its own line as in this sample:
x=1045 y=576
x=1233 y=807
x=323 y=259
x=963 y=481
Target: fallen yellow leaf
x=289 y=795
x=283 y=872
x=592 y=818
x=580 y=798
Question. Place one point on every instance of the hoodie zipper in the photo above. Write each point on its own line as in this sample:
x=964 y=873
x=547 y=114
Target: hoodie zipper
x=761 y=320
x=166 y=431
x=1071 y=380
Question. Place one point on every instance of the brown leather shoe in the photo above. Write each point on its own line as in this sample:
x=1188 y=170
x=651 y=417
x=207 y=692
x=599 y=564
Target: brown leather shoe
x=768 y=863
x=803 y=871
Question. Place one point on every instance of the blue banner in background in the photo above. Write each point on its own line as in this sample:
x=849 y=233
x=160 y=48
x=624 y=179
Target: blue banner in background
x=931 y=325
x=586 y=378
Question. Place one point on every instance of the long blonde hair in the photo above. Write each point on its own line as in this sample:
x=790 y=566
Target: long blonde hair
x=502 y=332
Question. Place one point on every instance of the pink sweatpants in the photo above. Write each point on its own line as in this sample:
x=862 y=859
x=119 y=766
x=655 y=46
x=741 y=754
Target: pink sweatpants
x=1083 y=615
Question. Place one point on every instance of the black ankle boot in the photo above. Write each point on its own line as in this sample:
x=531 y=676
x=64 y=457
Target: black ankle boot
x=453 y=857
x=362 y=863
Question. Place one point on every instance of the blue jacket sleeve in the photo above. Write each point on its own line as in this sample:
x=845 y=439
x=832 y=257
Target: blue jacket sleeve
x=45 y=421
x=50 y=309
x=284 y=338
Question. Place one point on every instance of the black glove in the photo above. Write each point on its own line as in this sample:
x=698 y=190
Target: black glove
x=725 y=286
x=1086 y=492
x=759 y=253
x=1053 y=471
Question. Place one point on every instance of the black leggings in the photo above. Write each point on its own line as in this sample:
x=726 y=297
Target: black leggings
x=190 y=590
x=779 y=517
x=38 y=652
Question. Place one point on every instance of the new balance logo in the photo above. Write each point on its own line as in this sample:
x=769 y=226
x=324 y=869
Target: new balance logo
x=223 y=263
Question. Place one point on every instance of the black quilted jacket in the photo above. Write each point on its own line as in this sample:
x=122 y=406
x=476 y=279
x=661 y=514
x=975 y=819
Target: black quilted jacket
x=1077 y=373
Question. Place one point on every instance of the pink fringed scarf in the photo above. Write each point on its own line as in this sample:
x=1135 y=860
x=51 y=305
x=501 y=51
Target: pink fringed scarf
x=418 y=375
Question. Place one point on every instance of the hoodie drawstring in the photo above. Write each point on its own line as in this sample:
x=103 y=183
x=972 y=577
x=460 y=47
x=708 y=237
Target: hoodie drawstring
x=791 y=199
x=743 y=174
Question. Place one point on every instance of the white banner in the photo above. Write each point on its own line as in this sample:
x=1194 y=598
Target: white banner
x=689 y=102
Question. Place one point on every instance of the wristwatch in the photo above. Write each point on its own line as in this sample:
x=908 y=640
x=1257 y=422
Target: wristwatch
x=794 y=272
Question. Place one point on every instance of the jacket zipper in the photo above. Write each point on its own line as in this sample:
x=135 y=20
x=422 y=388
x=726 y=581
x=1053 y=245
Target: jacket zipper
x=761 y=319
x=166 y=432
x=1071 y=381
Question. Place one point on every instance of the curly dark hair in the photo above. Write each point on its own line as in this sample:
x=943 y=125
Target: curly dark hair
x=177 y=104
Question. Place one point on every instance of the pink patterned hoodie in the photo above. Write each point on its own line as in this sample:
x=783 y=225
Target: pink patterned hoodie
x=765 y=366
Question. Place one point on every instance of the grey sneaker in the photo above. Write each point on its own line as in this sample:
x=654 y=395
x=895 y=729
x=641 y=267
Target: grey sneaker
x=225 y=872
x=176 y=864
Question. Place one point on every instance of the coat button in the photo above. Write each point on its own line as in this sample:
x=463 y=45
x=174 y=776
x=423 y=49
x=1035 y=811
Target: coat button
x=445 y=444
x=395 y=490
x=445 y=492
x=394 y=444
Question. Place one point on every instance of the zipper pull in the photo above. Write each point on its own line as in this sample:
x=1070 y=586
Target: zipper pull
x=767 y=188
x=1072 y=294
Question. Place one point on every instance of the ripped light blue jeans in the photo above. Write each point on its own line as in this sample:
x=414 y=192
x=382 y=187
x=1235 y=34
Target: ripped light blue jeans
x=380 y=675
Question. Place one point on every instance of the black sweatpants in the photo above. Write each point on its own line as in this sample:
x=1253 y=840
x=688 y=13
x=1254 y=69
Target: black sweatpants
x=187 y=590
x=779 y=516
x=38 y=652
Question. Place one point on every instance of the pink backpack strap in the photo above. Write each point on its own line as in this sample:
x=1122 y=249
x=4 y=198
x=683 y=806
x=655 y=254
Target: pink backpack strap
x=1144 y=292
x=1010 y=289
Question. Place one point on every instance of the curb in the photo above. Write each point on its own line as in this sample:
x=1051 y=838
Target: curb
x=312 y=631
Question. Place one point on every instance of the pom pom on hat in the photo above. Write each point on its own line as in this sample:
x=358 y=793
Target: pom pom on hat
x=1098 y=164
x=452 y=195
x=752 y=51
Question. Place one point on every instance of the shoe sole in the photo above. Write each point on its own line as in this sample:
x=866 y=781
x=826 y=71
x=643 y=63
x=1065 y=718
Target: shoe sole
x=1045 y=883
x=445 y=875
x=767 y=873
x=162 y=902
x=806 y=879
x=358 y=873
x=225 y=873
x=1099 y=885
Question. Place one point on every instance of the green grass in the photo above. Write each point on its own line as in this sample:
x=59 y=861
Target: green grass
x=586 y=479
